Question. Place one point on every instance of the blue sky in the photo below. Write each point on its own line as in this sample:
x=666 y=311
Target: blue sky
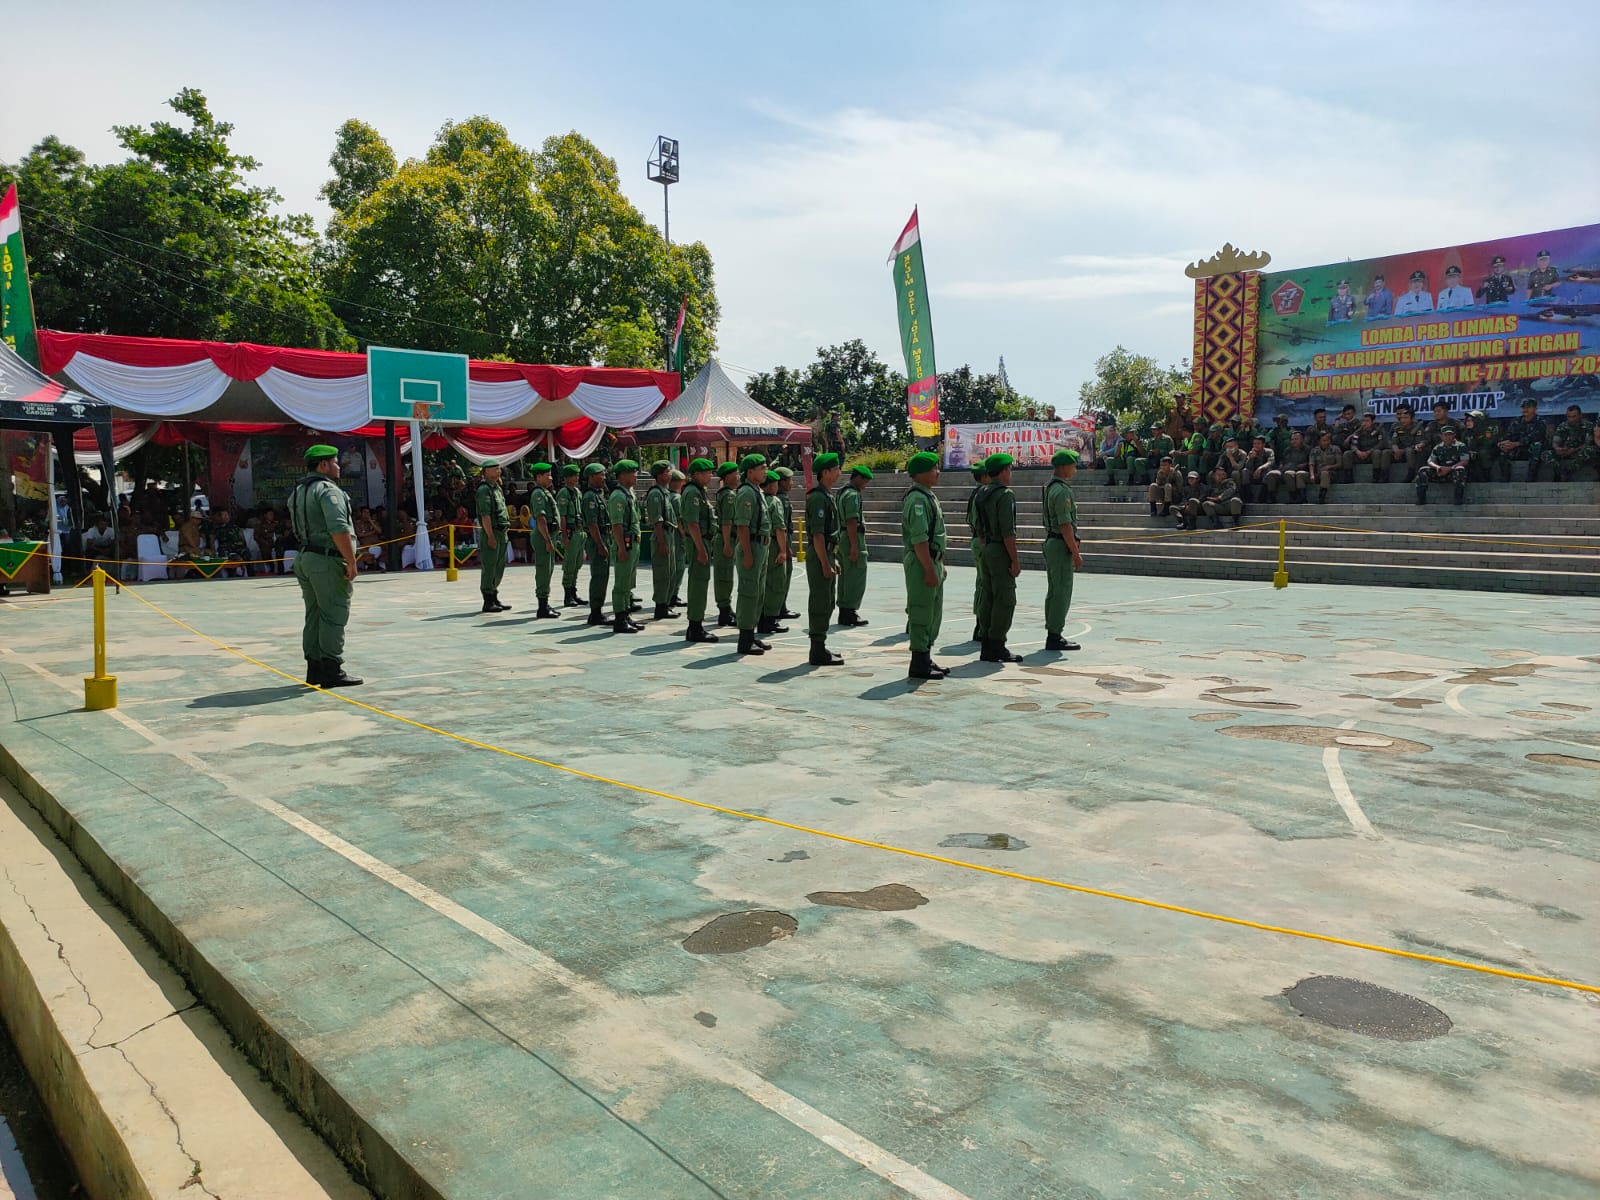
x=1066 y=157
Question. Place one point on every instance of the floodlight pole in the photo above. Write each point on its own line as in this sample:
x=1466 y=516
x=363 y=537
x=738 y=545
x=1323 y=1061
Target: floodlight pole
x=666 y=213
x=663 y=169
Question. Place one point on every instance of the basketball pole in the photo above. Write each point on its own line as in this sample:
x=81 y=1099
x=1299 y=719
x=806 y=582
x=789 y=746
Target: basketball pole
x=424 y=543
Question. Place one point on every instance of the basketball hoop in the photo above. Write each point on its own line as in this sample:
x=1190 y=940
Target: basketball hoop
x=422 y=413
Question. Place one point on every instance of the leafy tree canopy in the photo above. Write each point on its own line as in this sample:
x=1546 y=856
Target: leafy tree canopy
x=1133 y=389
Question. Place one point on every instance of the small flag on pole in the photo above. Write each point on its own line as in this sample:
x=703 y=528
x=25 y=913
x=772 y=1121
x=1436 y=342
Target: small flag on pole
x=16 y=301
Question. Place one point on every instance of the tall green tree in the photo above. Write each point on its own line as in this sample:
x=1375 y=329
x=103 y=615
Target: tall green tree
x=1133 y=389
x=172 y=242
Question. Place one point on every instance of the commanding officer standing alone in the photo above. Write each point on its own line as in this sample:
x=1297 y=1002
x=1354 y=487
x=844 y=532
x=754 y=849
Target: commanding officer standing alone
x=569 y=507
x=722 y=571
x=822 y=563
x=980 y=479
x=1062 y=553
x=750 y=524
x=922 y=534
x=997 y=513
x=664 y=535
x=622 y=514
x=326 y=566
x=853 y=547
x=495 y=520
x=546 y=524
x=696 y=529
x=594 y=524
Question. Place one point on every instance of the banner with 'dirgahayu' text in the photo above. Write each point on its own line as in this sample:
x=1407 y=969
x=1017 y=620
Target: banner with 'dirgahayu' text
x=916 y=332
x=1031 y=443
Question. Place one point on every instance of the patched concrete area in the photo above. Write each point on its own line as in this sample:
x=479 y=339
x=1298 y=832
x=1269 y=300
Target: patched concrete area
x=485 y=961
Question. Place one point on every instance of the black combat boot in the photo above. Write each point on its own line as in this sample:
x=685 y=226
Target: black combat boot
x=333 y=675
x=489 y=604
x=1461 y=493
x=664 y=612
x=1322 y=495
x=501 y=604
x=570 y=599
x=1056 y=642
x=1153 y=507
x=545 y=612
x=821 y=656
x=1236 y=521
x=788 y=614
x=850 y=618
x=922 y=666
x=676 y=601
x=621 y=624
x=770 y=625
x=1002 y=654
x=977 y=633
x=726 y=619
x=314 y=672
x=697 y=633
x=596 y=617
x=748 y=643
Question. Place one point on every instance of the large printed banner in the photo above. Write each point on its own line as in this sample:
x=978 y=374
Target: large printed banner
x=916 y=331
x=1483 y=326
x=1031 y=443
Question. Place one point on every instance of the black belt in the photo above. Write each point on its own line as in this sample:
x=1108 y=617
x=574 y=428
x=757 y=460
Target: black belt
x=328 y=550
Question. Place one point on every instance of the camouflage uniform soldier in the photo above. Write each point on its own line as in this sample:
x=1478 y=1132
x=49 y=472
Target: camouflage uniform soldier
x=1191 y=500
x=853 y=547
x=1573 y=445
x=680 y=544
x=1062 y=553
x=595 y=525
x=774 y=585
x=1370 y=444
x=923 y=536
x=325 y=567
x=822 y=559
x=726 y=546
x=785 y=487
x=622 y=514
x=1447 y=461
x=980 y=478
x=698 y=529
x=1408 y=443
x=1326 y=462
x=1164 y=488
x=664 y=536
x=1543 y=278
x=1525 y=440
x=1292 y=470
x=997 y=603
x=750 y=523
x=569 y=510
x=1222 y=497
x=494 y=520
x=546 y=523
x=1479 y=436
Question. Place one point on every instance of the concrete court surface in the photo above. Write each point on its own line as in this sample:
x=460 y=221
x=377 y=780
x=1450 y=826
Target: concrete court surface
x=506 y=969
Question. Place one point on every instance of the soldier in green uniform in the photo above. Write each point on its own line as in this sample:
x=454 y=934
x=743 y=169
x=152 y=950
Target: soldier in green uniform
x=622 y=514
x=1344 y=432
x=791 y=545
x=663 y=536
x=1280 y=437
x=680 y=544
x=822 y=558
x=1543 y=278
x=1447 y=461
x=1408 y=442
x=569 y=509
x=853 y=547
x=923 y=537
x=495 y=520
x=697 y=527
x=319 y=511
x=1063 y=554
x=980 y=480
x=772 y=584
x=724 y=550
x=1573 y=445
x=754 y=533
x=595 y=523
x=1157 y=447
x=543 y=534
x=1326 y=462
x=1222 y=497
x=997 y=602
x=1479 y=436
x=1526 y=440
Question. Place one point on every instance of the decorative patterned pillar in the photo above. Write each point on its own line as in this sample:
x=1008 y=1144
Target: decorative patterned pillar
x=1227 y=292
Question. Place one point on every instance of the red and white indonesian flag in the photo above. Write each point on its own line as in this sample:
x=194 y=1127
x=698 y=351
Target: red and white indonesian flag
x=910 y=236
x=677 y=335
x=10 y=214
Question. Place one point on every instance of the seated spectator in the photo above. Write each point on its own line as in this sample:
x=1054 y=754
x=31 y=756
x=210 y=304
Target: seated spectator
x=406 y=528
x=1164 y=488
x=1479 y=435
x=228 y=539
x=1130 y=459
x=1252 y=480
x=1107 y=452
x=1574 y=448
x=1408 y=442
x=191 y=545
x=1369 y=446
x=368 y=533
x=1234 y=460
x=100 y=541
x=1191 y=501
x=269 y=543
x=1222 y=497
x=128 y=532
x=1448 y=460
x=1293 y=471
x=1525 y=440
x=1327 y=461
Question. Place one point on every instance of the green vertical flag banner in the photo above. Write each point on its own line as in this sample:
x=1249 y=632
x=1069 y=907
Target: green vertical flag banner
x=676 y=361
x=16 y=301
x=916 y=331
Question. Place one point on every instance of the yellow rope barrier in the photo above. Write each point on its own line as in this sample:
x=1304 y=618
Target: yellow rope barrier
x=886 y=847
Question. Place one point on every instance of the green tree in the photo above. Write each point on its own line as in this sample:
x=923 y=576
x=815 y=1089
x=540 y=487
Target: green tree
x=1133 y=389
x=172 y=242
x=361 y=161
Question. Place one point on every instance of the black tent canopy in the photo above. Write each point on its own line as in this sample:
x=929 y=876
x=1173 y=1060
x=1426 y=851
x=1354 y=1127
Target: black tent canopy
x=29 y=400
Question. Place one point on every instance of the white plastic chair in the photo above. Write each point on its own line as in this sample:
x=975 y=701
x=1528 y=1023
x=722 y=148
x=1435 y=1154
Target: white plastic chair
x=152 y=562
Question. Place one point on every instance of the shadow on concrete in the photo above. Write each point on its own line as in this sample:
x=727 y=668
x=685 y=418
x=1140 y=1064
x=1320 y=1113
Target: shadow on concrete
x=1044 y=656
x=788 y=673
x=530 y=620
x=891 y=640
x=251 y=698
x=978 y=669
x=666 y=647
x=721 y=660
x=896 y=688
x=459 y=616
x=599 y=635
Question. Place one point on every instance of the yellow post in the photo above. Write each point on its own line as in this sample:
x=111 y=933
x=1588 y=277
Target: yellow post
x=1281 y=579
x=800 y=536
x=99 y=689
x=450 y=572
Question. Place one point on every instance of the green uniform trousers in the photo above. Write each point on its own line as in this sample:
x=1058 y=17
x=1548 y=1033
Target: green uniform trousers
x=852 y=576
x=599 y=579
x=820 y=592
x=924 y=604
x=624 y=566
x=775 y=585
x=1058 y=575
x=997 y=598
x=571 y=560
x=699 y=574
x=682 y=552
x=492 y=562
x=722 y=571
x=544 y=566
x=326 y=593
x=752 y=582
x=977 y=584
x=662 y=567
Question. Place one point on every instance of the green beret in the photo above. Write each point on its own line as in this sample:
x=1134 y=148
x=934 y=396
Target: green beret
x=677 y=474
x=659 y=466
x=1063 y=456
x=864 y=472
x=569 y=469
x=924 y=460
x=783 y=472
x=492 y=462
x=318 y=453
x=700 y=464
x=625 y=464
x=752 y=460
x=980 y=470
x=824 y=462
x=726 y=469
x=997 y=462
x=594 y=469
x=772 y=478
x=537 y=468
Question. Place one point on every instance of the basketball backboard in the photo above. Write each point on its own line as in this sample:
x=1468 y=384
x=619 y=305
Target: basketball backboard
x=417 y=385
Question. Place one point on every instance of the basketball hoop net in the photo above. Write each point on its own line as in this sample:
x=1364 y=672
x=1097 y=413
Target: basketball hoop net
x=422 y=414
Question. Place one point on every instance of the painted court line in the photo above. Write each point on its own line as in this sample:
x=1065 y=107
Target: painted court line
x=882 y=1163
